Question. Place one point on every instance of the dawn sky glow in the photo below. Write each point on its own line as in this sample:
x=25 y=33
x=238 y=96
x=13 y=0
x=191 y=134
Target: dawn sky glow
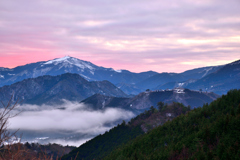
x=137 y=35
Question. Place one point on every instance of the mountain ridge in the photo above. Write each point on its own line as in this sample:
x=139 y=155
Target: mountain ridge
x=145 y=100
x=68 y=64
x=130 y=82
x=52 y=89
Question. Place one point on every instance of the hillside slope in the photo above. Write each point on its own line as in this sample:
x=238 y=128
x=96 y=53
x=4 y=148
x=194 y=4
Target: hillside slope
x=210 y=132
x=102 y=145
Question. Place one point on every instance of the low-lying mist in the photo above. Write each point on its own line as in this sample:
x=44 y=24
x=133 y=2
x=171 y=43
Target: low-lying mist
x=66 y=123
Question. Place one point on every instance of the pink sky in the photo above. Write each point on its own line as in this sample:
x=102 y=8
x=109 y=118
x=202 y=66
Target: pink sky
x=137 y=35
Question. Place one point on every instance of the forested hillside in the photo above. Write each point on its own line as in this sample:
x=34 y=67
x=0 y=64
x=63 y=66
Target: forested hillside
x=210 y=132
x=102 y=145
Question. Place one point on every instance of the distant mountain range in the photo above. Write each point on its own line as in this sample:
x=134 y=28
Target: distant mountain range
x=218 y=79
x=52 y=89
x=98 y=94
x=68 y=64
x=147 y=99
x=129 y=82
x=162 y=79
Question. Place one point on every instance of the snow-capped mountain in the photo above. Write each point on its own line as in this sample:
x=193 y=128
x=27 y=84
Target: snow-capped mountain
x=68 y=64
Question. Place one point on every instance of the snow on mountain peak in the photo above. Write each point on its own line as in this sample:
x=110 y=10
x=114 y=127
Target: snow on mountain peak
x=70 y=61
x=58 y=60
x=118 y=70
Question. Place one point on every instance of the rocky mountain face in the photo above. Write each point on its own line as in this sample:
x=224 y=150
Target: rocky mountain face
x=52 y=89
x=68 y=64
x=147 y=99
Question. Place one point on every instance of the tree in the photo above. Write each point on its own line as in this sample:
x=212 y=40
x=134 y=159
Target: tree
x=5 y=114
x=153 y=110
x=160 y=106
x=16 y=151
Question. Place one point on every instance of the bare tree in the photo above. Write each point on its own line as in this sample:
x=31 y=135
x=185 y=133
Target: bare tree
x=8 y=149
x=5 y=114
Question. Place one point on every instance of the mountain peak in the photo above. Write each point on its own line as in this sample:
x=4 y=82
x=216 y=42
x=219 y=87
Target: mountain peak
x=68 y=61
x=58 y=60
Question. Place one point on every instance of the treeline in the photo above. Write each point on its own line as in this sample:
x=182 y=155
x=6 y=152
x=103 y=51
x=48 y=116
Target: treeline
x=210 y=132
x=30 y=151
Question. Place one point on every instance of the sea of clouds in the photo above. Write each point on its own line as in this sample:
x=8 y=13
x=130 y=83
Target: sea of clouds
x=73 y=123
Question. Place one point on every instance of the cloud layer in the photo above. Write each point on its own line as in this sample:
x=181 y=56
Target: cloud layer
x=68 y=119
x=122 y=34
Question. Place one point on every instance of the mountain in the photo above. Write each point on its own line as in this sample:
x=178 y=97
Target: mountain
x=68 y=64
x=102 y=145
x=170 y=85
x=160 y=79
x=52 y=89
x=99 y=101
x=220 y=81
x=209 y=132
x=199 y=73
x=147 y=99
x=171 y=80
x=130 y=89
x=131 y=83
x=217 y=79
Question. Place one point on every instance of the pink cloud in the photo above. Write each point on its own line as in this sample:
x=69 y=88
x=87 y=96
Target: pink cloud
x=138 y=36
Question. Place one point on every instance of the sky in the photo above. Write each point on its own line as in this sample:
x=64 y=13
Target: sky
x=137 y=35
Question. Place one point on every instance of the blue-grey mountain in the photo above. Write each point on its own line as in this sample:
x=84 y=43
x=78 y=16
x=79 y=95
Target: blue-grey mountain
x=222 y=78
x=52 y=89
x=171 y=80
x=147 y=99
x=221 y=81
x=68 y=64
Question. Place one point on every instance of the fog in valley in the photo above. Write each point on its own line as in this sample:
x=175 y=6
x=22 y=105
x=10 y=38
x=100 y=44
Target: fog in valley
x=71 y=123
